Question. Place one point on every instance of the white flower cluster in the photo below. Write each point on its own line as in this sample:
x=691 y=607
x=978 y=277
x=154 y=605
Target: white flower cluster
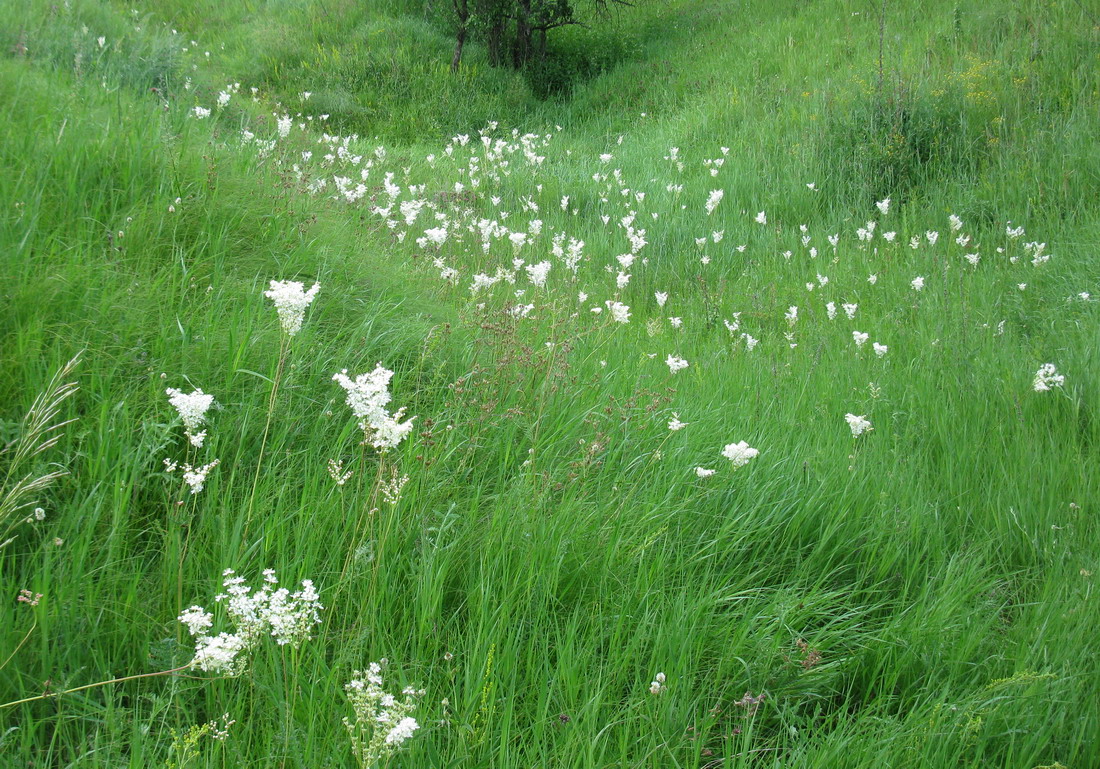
x=192 y=408
x=658 y=684
x=740 y=454
x=367 y=397
x=1047 y=377
x=382 y=722
x=268 y=611
x=675 y=363
x=859 y=424
x=291 y=301
x=195 y=477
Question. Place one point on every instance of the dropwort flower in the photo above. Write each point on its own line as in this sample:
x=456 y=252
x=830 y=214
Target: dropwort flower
x=192 y=408
x=1047 y=377
x=859 y=424
x=268 y=611
x=291 y=302
x=675 y=363
x=367 y=397
x=382 y=722
x=739 y=454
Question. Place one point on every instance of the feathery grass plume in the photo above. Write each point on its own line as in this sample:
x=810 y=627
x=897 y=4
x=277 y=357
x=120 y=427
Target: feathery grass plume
x=382 y=722
x=39 y=432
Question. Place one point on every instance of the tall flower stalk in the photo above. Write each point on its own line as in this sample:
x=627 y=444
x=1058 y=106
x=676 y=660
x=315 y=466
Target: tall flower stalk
x=291 y=302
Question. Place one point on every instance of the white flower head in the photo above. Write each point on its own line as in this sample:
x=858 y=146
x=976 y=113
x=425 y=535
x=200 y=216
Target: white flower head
x=291 y=301
x=859 y=424
x=367 y=397
x=192 y=408
x=1047 y=377
x=675 y=363
x=739 y=454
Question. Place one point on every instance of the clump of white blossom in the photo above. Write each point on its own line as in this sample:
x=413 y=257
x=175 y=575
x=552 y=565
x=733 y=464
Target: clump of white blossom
x=192 y=408
x=739 y=454
x=859 y=424
x=675 y=363
x=657 y=685
x=195 y=477
x=382 y=722
x=270 y=610
x=1047 y=377
x=291 y=301
x=367 y=397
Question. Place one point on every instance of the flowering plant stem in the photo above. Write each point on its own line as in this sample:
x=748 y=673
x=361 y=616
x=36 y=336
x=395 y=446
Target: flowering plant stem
x=49 y=695
x=283 y=348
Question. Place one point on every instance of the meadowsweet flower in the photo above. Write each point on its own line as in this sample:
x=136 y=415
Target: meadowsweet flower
x=880 y=349
x=761 y=218
x=200 y=112
x=956 y=223
x=750 y=342
x=860 y=338
x=381 y=721
x=658 y=683
x=620 y=313
x=791 y=315
x=850 y=310
x=931 y=236
x=739 y=454
x=675 y=424
x=1047 y=377
x=192 y=408
x=675 y=363
x=859 y=424
x=269 y=611
x=917 y=283
x=336 y=472
x=195 y=477
x=883 y=206
x=367 y=397
x=702 y=472
x=291 y=302
x=714 y=199
x=872 y=279
x=29 y=598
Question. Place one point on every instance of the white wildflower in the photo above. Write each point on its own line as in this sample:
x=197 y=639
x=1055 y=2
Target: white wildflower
x=739 y=454
x=1047 y=377
x=291 y=302
x=859 y=424
x=192 y=408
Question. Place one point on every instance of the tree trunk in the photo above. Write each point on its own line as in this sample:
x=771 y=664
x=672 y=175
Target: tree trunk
x=463 y=14
x=459 y=42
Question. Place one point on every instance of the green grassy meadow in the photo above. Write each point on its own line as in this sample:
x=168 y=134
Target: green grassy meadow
x=831 y=212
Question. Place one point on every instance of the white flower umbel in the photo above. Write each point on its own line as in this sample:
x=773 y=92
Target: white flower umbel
x=675 y=363
x=382 y=723
x=195 y=477
x=291 y=301
x=270 y=610
x=739 y=454
x=192 y=408
x=367 y=397
x=1047 y=377
x=859 y=424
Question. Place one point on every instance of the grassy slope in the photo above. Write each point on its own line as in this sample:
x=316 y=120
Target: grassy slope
x=927 y=563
